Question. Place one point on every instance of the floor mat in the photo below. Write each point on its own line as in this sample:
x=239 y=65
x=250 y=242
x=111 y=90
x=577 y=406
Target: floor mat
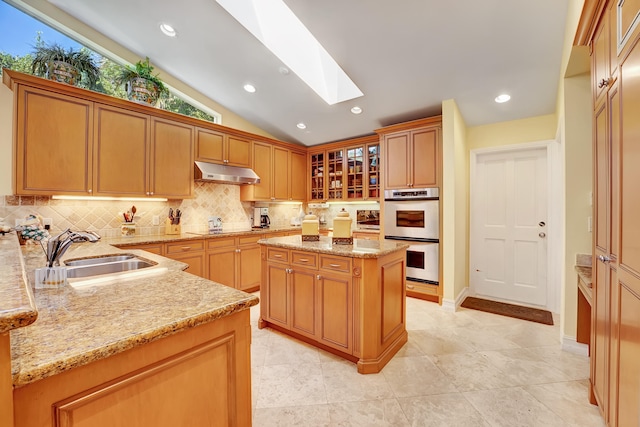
x=517 y=311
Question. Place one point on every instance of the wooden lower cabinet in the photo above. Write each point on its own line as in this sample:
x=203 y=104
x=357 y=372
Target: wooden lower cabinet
x=234 y=261
x=190 y=252
x=353 y=307
x=199 y=377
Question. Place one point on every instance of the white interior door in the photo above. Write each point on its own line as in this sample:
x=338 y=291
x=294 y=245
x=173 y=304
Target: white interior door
x=508 y=258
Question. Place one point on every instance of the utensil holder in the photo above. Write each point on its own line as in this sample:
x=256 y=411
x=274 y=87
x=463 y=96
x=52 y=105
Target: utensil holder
x=171 y=228
x=51 y=277
x=128 y=229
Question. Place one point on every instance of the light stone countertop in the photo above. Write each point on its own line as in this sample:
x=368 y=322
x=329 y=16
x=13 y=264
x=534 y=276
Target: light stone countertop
x=361 y=248
x=78 y=325
x=17 y=305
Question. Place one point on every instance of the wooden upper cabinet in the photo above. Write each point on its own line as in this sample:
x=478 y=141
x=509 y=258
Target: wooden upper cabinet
x=219 y=147
x=171 y=159
x=412 y=157
x=281 y=183
x=54 y=143
x=262 y=165
x=121 y=152
x=602 y=48
x=298 y=175
x=281 y=172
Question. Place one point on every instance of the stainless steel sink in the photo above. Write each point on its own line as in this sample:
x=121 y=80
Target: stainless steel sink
x=108 y=268
x=99 y=260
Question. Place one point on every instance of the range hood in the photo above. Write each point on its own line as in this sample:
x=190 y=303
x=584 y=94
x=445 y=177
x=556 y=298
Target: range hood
x=225 y=174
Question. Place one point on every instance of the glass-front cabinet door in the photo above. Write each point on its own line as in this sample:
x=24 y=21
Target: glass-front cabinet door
x=317 y=177
x=335 y=169
x=355 y=172
x=373 y=172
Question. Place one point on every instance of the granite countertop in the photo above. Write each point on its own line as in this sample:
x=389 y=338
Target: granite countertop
x=78 y=325
x=361 y=248
x=17 y=305
x=584 y=273
x=164 y=238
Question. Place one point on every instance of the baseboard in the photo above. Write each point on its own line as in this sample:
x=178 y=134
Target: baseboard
x=452 y=305
x=569 y=344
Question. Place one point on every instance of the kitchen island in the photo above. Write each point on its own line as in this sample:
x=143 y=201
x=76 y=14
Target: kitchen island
x=163 y=349
x=346 y=299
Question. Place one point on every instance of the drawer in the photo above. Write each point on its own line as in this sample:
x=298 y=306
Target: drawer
x=249 y=240
x=335 y=264
x=304 y=259
x=220 y=242
x=278 y=255
x=423 y=288
x=184 y=246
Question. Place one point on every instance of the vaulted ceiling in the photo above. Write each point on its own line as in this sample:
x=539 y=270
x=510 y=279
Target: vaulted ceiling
x=406 y=56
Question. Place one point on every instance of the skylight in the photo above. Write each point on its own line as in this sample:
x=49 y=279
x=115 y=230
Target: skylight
x=275 y=25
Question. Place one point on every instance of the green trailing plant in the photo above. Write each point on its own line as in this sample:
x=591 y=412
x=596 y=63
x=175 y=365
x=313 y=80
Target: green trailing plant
x=144 y=70
x=82 y=60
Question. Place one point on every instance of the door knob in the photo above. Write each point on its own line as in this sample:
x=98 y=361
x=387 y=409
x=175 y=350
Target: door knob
x=542 y=234
x=542 y=224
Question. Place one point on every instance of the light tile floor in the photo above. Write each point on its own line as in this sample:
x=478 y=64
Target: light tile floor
x=467 y=368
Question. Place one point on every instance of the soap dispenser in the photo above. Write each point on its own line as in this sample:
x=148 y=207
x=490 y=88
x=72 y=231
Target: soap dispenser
x=342 y=229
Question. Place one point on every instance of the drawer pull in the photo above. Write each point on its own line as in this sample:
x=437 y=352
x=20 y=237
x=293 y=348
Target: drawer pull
x=304 y=260
x=186 y=248
x=277 y=256
x=334 y=265
x=410 y=287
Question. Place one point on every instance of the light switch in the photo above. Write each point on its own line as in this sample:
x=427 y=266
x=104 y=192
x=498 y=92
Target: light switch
x=589 y=224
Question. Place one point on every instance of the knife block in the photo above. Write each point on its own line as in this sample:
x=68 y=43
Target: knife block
x=171 y=228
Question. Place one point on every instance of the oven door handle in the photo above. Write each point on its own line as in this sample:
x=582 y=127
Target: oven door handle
x=412 y=239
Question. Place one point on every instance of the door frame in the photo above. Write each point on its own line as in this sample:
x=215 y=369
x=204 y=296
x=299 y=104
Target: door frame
x=555 y=208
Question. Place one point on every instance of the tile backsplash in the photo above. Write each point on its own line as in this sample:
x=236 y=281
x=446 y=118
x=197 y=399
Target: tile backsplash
x=211 y=199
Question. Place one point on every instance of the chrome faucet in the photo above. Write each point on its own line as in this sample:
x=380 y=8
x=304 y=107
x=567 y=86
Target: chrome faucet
x=58 y=245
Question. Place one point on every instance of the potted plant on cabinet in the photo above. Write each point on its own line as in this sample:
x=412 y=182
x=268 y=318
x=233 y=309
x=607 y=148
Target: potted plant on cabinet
x=141 y=84
x=66 y=65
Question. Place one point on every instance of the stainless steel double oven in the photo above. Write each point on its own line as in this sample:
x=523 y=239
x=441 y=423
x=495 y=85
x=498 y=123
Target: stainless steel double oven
x=412 y=215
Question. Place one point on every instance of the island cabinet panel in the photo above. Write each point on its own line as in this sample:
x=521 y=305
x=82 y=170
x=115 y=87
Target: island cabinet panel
x=121 y=153
x=275 y=302
x=52 y=158
x=351 y=306
x=171 y=159
x=303 y=298
x=248 y=260
x=335 y=311
x=200 y=377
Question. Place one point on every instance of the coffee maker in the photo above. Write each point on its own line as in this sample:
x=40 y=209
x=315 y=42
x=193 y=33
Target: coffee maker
x=261 y=218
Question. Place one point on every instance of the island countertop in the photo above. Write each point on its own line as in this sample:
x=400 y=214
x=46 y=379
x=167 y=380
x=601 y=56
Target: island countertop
x=78 y=325
x=361 y=248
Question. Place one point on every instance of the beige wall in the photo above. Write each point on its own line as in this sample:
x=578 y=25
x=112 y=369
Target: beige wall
x=454 y=200
x=6 y=139
x=539 y=128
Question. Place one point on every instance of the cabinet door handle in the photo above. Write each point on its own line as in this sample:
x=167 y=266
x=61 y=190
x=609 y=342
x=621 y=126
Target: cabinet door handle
x=604 y=258
x=319 y=277
x=90 y=191
x=603 y=83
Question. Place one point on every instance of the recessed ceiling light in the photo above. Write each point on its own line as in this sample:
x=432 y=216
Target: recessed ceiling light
x=280 y=30
x=168 y=30
x=301 y=125
x=502 y=98
x=249 y=88
x=356 y=110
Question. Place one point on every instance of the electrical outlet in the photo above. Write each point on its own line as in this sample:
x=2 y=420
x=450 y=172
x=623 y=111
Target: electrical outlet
x=48 y=222
x=155 y=220
x=589 y=224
